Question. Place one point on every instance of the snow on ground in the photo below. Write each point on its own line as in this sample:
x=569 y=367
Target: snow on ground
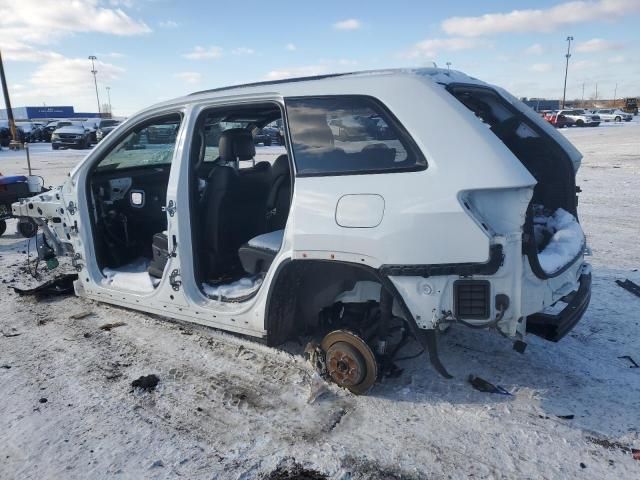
x=228 y=407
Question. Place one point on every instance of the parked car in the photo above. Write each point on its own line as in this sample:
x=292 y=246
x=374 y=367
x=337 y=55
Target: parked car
x=558 y=120
x=5 y=134
x=105 y=127
x=267 y=136
x=612 y=115
x=384 y=239
x=70 y=134
x=581 y=118
x=28 y=132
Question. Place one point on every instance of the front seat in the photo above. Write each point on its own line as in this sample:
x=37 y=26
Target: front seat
x=230 y=205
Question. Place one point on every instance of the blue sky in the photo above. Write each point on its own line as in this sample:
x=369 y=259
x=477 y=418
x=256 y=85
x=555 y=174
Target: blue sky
x=151 y=50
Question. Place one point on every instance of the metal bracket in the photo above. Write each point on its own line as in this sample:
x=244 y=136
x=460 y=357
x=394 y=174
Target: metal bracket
x=75 y=261
x=71 y=208
x=170 y=208
x=173 y=280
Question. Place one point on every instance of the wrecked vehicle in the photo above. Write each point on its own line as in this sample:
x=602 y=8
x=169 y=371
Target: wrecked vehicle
x=410 y=224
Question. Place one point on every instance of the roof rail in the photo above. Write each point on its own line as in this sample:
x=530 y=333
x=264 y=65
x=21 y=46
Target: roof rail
x=272 y=82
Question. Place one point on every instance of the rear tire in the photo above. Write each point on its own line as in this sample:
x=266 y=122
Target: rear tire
x=267 y=142
x=617 y=119
x=55 y=147
x=580 y=123
x=3 y=227
x=27 y=227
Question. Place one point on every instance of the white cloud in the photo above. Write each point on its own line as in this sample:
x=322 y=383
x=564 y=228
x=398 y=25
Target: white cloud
x=302 y=71
x=583 y=65
x=168 y=24
x=541 y=67
x=201 y=53
x=540 y=20
x=189 y=77
x=617 y=59
x=20 y=52
x=67 y=81
x=243 y=51
x=597 y=45
x=291 y=47
x=349 y=24
x=535 y=49
x=430 y=48
x=41 y=21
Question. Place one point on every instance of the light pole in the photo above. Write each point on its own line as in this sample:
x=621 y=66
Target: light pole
x=615 y=94
x=449 y=66
x=566 y=70
x=95 y=81
x=109 y=98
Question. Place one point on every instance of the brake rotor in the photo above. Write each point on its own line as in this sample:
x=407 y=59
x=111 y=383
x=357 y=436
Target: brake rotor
x=349 y=361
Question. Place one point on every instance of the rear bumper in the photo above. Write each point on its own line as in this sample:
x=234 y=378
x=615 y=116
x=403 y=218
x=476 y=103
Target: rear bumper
x=555 y=327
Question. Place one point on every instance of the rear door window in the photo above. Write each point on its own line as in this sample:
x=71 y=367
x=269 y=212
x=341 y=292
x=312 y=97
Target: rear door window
x=348 y=135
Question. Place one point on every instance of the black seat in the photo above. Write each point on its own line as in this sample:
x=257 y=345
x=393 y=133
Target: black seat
x=233 y=206
x=279 y=199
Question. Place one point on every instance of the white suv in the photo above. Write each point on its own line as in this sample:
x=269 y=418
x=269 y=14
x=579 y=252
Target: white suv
x=581 y=118
x=613 y=114
x=375 y=223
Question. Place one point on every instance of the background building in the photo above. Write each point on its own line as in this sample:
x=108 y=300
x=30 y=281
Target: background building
x=46 y=113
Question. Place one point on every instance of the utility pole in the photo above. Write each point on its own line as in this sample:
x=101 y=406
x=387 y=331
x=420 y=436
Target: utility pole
x=582 y=102
x=7 y=102
x=109 y=98
x=615 y=93
x=449 y=66
x=566 y=70
x=596 y=99
x=95 y=81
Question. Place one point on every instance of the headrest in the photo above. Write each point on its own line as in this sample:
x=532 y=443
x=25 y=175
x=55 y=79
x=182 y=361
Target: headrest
x=236 y=144
x=280 y=166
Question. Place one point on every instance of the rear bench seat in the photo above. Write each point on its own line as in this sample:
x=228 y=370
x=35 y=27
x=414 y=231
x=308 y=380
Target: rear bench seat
x=258 y=253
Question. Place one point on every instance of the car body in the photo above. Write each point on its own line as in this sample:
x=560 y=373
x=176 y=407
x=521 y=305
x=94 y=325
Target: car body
x=104 y=127
x=581 y=118
x=70 y=134
x=612 y=115
x=558 y=120
x=399 y=226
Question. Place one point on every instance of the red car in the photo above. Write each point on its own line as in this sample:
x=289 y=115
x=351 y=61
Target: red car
x=557 y=120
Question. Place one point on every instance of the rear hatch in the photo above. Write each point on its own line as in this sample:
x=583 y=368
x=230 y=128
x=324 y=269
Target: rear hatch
x=552 y=239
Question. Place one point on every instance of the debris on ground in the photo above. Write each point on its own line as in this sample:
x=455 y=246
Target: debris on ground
x=482 y=385
x=9 y=335
x=630 y=286
x=107 y=327
x=288 y=469
x=317 y=389
x=636 y=453
x=43 y=400
x=61 y=285
x=146 y=382
x=634 y=364
x=566 y=417
x=80 y=315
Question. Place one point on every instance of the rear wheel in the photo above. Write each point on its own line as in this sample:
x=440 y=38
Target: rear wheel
x=349 y=361
x=3 y=227
x=27 y=227
x=55 y=147
x=618 y=119
x=580 y=123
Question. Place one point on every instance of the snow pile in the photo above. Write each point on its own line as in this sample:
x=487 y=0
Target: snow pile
x=132 y=277
x=237 y=290
x=566 y=242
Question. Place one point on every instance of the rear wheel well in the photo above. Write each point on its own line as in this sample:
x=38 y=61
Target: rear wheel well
x=301 y=289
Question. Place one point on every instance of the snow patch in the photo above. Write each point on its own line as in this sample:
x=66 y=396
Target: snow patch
x=567 y=239
x=233 y=291
x=132 y=277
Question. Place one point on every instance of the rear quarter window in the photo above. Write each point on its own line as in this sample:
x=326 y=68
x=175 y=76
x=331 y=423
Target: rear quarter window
x=341 y=135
